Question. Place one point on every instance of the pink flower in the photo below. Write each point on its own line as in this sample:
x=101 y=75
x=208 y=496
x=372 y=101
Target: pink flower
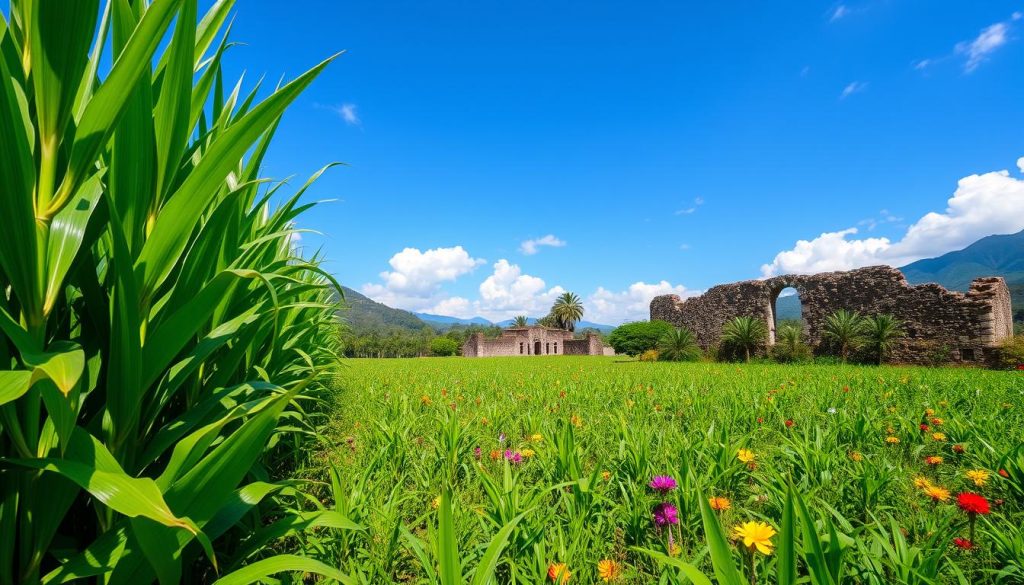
x=513 y=456
x=663 y=484
x=665 y=514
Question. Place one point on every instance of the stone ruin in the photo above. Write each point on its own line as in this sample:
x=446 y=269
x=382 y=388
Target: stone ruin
x=940 y=325
x=532 y=340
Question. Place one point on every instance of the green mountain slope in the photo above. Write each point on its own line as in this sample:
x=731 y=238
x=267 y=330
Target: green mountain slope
x=1000 y=255
x=367 y=315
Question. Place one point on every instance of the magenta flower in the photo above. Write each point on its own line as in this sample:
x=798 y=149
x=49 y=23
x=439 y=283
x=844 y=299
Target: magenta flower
x=513 y=456
x=663 y=484
x=665 y=514
x=476 y=452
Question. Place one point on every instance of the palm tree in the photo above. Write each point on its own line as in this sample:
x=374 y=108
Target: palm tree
x=846 y=329
x=745 y=333
x=568 y=310
x=520 y=321
x=679 y=345
x=882 y=332
x=547 y=321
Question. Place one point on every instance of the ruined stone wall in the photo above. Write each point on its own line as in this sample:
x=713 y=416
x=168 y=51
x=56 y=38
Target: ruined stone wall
x=589 y=346
x=523 y=342
x=940 y=325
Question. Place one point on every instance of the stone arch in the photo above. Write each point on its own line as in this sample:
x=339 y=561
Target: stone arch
x=775 y=288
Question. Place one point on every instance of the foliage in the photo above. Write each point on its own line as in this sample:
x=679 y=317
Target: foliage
x=567 y=311
x=881 y=332
x=444 y=347
x=789 y=345
x=1010 y=354
x=520 y=321
x=633 y=339
x=846 y=331
x=164 y=347
x=679 y=345
x=651 y=355
x=744 y=336
x=591 y=432
x=364 y=315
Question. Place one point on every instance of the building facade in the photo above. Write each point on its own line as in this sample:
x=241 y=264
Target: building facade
x=531 y=341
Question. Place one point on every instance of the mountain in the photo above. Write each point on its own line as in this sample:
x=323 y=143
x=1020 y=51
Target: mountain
x=448 y=321
x=579 y=326
x=365 y=315
x=998 y=255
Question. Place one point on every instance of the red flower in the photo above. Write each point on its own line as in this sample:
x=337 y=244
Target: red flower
x=789 y=423
x=972 y=503
x=760 y=420
x=963 y=543
x=924 y=427
x=958 y=448
x=1003 y=473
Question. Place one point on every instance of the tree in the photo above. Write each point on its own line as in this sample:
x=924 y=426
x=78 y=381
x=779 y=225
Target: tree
x=520 y=321
x=846 y=330
x=745 y=334
x=547 y=321
x=881 y=333
x=679 y=345
x=567 y=311
x=444 y=347
x=635 y=338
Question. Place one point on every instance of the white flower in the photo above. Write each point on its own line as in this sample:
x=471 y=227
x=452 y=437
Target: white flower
x=832 y=410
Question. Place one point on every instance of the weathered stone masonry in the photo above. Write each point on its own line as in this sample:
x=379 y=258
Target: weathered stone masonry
x=532 y=340
x=939 y=323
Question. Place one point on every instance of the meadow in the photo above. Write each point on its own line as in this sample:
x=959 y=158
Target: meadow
x=592 y=469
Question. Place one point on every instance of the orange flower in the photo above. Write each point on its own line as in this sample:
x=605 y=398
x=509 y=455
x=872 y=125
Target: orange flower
x=495 y=455
x=425 y=400
x=892 y=440
x=719 y=504
x=856 y=456
x=558 y=573
x=937 y=493
x=608 y=570
x=606 y=475
x=933 y=460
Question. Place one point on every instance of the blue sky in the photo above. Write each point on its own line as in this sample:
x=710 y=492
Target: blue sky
x=662 y=146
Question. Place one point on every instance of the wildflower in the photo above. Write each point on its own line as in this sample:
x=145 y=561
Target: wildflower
x=1003 y=473
x=937 y=493
x=979 y=476
x=558 y=573
x=663 y=483
x=536 y=437
x=719 y=504
x=892 y=439
x=929 y=412
x=425 y=400
x=973 y=503
x=436 y=502
x=856 y=456
x=789 y=423
x=495 y=455
x=476 y=453
x=608 y=570
x=513 y=456
x=963 y=543
x=958 y=448
x=484 y=421
x=936 y=421
x=665 y=514
x=933 y=460
x=576 y=421
x=606 y=475
x=939 y=437
x=924 y=428
x=755 y=536
x=745 y=455
x=921 y=482
x=501 y=437
x=832 y=410
x=527 y=453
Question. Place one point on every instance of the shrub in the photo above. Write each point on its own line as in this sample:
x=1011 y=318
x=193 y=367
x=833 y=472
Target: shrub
x=633 y=339
x=845 y=331
x=1010 y=354
x=743 y=336
x=650 y=355
x=679 y=345
x=789 y=346
x=444 y=347
x=881 y=333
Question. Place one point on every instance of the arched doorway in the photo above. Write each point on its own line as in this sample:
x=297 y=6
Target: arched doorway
x=536 y=348
x=786 y=312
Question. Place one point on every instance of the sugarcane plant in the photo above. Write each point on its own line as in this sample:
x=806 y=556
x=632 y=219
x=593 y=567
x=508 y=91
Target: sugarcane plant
x=158 y=323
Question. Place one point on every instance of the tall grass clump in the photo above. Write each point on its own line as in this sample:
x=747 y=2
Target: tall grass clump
x=163 y=345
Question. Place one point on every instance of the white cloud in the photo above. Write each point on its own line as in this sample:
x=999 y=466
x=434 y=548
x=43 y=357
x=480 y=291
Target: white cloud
x=991 y=203
x=349 y=114
x=852 y=88
x=1020 y=164
x=531 y=247
x=839 y=12
x=415 y=279
x=508 y=292
x=633 y=304
x=977 y=50
x=697 y=202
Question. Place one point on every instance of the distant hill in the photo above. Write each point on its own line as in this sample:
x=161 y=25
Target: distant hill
x=579 y=326
x=448 y=321
x=998 y=255
x=365 y=314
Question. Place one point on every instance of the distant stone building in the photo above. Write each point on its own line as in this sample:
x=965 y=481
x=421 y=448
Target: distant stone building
x=940 y=325
x=532 y=340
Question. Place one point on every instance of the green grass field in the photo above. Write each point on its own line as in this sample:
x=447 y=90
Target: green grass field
x=548 y=461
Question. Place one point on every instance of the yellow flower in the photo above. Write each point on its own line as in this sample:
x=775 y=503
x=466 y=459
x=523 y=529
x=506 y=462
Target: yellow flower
x=606 y=475
x=937 y=421
x=855 y=456
x=929 y=411
x=425 y=400
x=536 y=437
x=558 y=573
x=484 y=421
x=938 y=436
x=979 y=476
x=608 y=570
x=937 y=493
x=528 y=453
x=745 y=455
x=436 y=503
x=922 y=483
x=755 y=536
x=892 y=440
x=719 y=504
x=576 y=421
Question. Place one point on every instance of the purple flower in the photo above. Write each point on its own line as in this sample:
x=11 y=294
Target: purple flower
x=665 y=514
x=501 y=438
x=663 y=484
x=513 y=456
x=476 y=452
